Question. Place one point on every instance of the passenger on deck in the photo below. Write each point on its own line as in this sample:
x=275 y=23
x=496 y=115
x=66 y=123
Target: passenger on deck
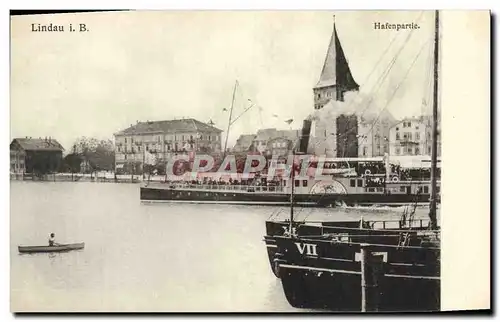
x=52 y=240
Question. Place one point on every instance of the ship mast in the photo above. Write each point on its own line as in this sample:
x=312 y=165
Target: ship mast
x=230 y=116
x=292 y=192
x=432 y=206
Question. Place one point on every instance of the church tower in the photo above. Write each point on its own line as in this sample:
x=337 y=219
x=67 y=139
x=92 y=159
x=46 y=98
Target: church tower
x=336 y=78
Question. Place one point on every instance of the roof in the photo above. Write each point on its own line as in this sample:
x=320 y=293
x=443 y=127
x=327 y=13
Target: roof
x=169 y=126
x=265 y=134
x=288 y=134
x=424 y=119
x=336 y=71
x=244 y=141
x=30 y=144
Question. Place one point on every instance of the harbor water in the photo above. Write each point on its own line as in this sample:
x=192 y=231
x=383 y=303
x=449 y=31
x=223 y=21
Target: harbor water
x=147 y=257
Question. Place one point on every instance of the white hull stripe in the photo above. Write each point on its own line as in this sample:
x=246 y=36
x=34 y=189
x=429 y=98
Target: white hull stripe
x=228 y=202
x=354 y=272
x=320 y=269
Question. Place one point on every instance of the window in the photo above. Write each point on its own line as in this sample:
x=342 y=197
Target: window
x=398 y=151
x=147 y=148
x=191 y=137
x=429 y=150
x=409 y=136
x=365 y=150
x=410 y=150
x=417 y=136
x=125 y=140
x=417 y=151
x=159 y=139
x=397 y=128
x=426 y=189
x=397 y=135
x=402 y=189
x=118 y=149
x=125 y=157
x=139 y=148
x=360 y=182
x=409 y=124
x=353 y=183
x=416 y=127
x=297 y=183
x=405 y=136
x=304 y=183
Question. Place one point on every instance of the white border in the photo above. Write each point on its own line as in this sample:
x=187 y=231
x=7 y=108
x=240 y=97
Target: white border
x=240 y=5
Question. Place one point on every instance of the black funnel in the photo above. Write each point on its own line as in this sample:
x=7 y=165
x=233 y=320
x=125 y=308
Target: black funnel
x=305 y=135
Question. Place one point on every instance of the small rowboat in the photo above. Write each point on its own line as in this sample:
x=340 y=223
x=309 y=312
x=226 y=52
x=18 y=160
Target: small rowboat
x=50 y=249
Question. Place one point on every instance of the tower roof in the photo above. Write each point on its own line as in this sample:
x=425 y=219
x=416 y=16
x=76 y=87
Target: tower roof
x=336 y=71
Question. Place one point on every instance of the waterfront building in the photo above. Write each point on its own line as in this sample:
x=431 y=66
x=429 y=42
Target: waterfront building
x=282 y=144
x=412 y=136
x=273 y=142
x=158 y=141
x=40 y=156
x=374 y=134
x=244 y=143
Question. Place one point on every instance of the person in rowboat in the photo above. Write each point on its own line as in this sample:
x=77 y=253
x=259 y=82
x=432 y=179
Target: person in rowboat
x=52 y=240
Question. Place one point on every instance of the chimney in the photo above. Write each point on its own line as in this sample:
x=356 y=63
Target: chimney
x=304 y=137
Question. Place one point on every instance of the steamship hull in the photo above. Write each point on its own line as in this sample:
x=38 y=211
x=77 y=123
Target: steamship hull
x=325 y=273
x=157 y=194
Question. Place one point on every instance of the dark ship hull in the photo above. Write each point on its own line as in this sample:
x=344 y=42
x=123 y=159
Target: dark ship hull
x=322 y=269
x=153 y=194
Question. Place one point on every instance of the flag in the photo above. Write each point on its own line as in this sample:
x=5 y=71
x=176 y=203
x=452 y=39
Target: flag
x=224 y=109
x=289 y=121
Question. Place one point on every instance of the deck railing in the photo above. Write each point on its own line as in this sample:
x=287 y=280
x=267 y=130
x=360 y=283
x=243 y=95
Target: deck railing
x=222 y=187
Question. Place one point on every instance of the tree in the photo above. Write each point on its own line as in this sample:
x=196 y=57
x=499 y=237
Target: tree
x=95 y=154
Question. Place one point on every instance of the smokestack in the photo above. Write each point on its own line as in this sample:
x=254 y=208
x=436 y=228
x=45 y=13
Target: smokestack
x=304 y=137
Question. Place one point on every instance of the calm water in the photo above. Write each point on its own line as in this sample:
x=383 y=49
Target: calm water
x=162 y=257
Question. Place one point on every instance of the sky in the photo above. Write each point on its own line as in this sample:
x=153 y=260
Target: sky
x=156 y=65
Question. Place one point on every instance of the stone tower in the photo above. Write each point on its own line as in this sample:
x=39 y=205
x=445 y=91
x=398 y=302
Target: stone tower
x=336 y=78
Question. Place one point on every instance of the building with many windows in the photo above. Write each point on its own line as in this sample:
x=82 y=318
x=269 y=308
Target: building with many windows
x=273 y=142
x=373 y=134
x=412 y=136
x=158 y=141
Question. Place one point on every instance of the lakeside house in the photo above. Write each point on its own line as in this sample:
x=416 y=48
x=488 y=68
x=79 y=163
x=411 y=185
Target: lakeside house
x=40 y=156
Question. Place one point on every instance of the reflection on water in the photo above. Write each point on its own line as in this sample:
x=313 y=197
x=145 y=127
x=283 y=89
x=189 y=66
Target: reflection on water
x=160 y=257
